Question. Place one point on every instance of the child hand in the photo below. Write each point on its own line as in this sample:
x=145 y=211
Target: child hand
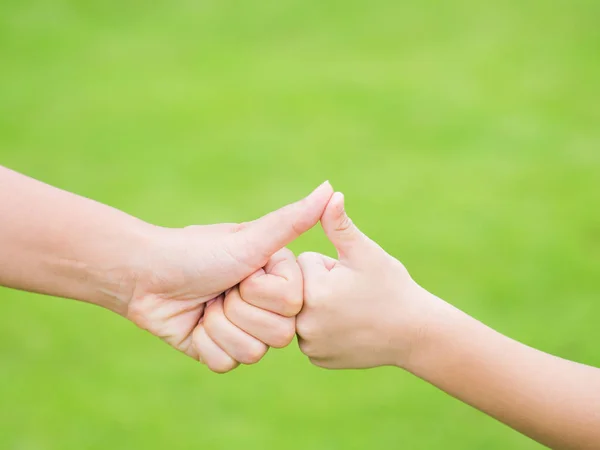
x=363 y=310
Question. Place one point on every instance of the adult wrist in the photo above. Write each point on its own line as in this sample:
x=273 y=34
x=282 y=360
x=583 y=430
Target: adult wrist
x=132 y=260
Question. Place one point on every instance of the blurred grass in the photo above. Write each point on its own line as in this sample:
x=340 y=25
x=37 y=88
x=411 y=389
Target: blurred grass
x=465 y=135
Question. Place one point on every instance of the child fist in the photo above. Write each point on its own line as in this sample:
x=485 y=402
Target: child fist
x=363 y=310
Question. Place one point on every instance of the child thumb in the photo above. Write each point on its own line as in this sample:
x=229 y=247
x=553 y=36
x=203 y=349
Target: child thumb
x=350 y=243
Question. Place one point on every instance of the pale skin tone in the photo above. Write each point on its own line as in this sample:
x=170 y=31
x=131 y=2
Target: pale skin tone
x=364 y=310
x=57 y=243
x=236 y=330
x=224 y=294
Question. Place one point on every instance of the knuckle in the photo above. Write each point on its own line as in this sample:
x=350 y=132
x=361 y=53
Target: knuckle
x=307 y=256
x=307 y=347
x=212 y=322
x=250 y=284
x=302 y=256
x=314 y=293
x=306 y=328
x=292 y=302
x=251 y=288
x=230 y=307
x=310 y=294
x=345 y=224
x=208 y=322
x=299 y=226
x=286 y=252
x=253 y=353
x=285 y=336
x=197 y=338
x=221 y=366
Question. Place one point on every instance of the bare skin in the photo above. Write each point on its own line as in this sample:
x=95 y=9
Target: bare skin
x=240 y=330
x=224 y=294
x=57 y=243
x=364 y=310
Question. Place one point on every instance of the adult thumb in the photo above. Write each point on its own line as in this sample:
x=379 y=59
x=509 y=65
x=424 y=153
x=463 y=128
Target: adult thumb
x=263 y=237
x=351 y=244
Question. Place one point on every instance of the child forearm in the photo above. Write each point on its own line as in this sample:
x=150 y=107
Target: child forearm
x=552 y=400
x=364 y=310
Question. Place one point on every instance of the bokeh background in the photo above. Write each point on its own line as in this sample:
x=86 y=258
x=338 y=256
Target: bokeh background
x=465 y=135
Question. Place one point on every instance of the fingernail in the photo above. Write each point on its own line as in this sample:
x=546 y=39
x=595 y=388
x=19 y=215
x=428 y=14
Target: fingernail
x=323 y=185
x=338 y=199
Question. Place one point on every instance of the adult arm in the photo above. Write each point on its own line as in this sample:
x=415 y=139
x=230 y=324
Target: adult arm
x=57 y=243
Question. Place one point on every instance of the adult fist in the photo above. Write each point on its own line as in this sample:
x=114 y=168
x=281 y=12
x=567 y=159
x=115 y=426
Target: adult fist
x=258 y=314
x=184 y=269
x=362 y=310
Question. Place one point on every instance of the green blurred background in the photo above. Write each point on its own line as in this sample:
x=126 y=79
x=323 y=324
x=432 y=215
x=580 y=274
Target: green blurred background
x=465 y=135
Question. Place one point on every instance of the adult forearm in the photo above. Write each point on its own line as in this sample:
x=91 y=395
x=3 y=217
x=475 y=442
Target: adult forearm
x=58 y=243
x=552 y=400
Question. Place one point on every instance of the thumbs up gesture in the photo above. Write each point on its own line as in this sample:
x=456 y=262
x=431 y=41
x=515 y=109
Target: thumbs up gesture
x=186 y=289
x=362 y=310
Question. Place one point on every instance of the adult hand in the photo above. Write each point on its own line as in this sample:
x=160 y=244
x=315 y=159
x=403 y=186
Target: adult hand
x=188 y=268
x=257 y=314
